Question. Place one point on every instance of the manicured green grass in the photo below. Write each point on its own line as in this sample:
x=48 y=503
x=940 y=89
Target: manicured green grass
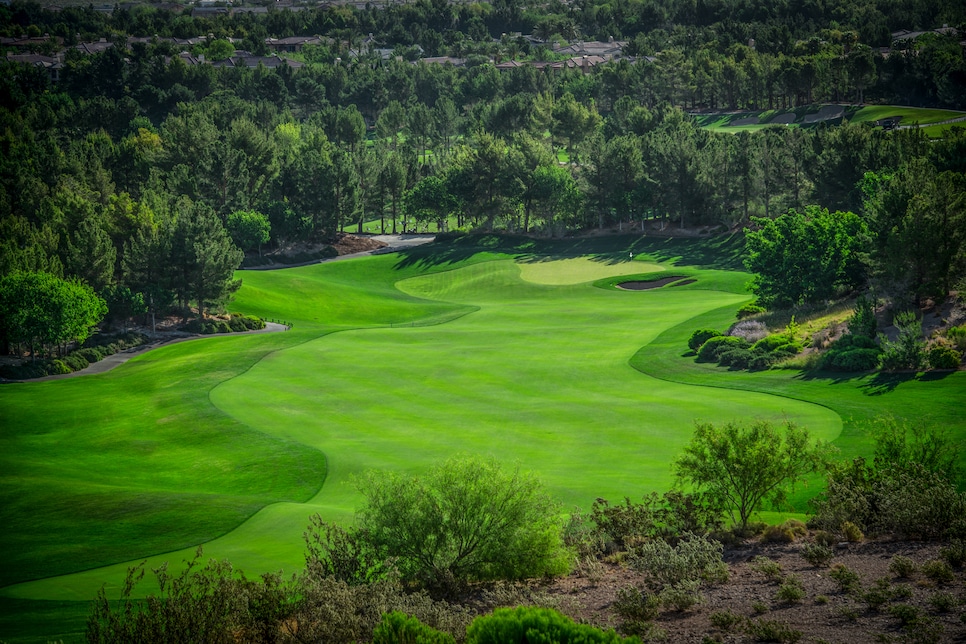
x=910 y=115
x=519 y=349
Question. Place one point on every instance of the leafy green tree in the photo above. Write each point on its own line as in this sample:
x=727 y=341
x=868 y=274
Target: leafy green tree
x=249 y=229
x=744 y=466
x=38 y=310
x=466 y=519
x=823 y=251
x=430 y=201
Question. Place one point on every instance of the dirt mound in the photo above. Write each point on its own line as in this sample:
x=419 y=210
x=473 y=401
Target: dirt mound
x=348 y=244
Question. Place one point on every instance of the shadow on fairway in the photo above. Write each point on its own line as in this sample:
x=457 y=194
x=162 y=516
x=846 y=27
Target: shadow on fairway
x=718 y=252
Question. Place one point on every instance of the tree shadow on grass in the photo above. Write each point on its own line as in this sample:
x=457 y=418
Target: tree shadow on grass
x=718 y=252
x=878 y=384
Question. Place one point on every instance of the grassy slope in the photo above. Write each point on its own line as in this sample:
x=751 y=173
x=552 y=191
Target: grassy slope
x=444 y=388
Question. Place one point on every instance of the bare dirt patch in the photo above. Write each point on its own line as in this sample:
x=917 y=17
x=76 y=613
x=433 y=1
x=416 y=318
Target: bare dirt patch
x=644 y=285
x=348 y=244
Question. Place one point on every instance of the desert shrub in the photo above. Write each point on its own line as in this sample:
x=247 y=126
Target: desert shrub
x=877 y=595
x=902 y=567
x=955 y=553
x=581 y=536
x=786 y=532
x=907 y=351
x=772 y=570
x=791 y=590
x=398 y=628
x=943 y=602
x=701 y=336
x=712 y=349
x=768 y=630
x=902 y=591
x=750 y=331
x=682 y=596
x=905 y=613
x=693 y=559
x=915 y=502
x=345 y=555
x=759 y=607
x=749 y=310
x=726 y=620
x=667 y=517
x=938 y=571
x=851 y=532
x=330 y=610
x=943 y=357
x=524 y=624
x=465 y=520
x=635 y=605
x=957 y=335
x=847 y=579
x=817 y=554
x=210 y=603
x=821 y=600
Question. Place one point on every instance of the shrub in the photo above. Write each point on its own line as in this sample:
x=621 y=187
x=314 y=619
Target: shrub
x=701 y=336
x=693 y=559
x=75 y=362
x=863 y=322
x=851 y=532
x=525 y=624
x=817 y=555
x=682 y=596
x=938 y=571
x=726 y=620
x=767 y=630
x=714 y=347
x=915 y=502
x=465 y=520
x=772 y=570
x=237 y=324
x=667 y=517
x=905 y=613
x=957 y=335
x=846 y=578
x=902 y=567
x=398 y=628
x=222 y=327
x=749 y=310
x=955 y=553
x=878 y=595
x=634 y=605
x=791 y=591
x=54 y=368
x=943 y=602
x=90 y=354
x=942 y=357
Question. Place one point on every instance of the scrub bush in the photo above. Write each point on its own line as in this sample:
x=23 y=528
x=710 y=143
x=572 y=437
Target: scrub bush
x=522 y=624
x=942 y=357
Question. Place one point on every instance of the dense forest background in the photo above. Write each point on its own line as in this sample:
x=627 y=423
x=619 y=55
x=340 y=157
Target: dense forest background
x=145 y=169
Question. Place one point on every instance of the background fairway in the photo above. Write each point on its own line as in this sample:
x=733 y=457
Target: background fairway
x=395 y=361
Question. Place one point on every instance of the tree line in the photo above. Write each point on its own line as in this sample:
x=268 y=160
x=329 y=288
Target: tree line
x=145 y=177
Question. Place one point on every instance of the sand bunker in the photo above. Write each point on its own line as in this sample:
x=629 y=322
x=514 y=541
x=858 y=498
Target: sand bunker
x=639 y=285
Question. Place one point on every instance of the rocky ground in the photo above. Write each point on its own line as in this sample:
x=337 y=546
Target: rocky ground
x=886 y=608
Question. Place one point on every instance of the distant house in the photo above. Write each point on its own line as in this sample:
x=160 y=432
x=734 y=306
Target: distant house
x=53 y=64
x=25 y=42
x=443 y=60
x=608 y=50
x=243 y=58
x=292 y=43
x=90 y=48
x=904 y=35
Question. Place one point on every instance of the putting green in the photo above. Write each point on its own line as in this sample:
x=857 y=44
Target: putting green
x=527 y=372
x=576 y=270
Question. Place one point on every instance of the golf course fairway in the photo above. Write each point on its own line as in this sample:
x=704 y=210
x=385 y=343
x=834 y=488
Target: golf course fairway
x=397 y=361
